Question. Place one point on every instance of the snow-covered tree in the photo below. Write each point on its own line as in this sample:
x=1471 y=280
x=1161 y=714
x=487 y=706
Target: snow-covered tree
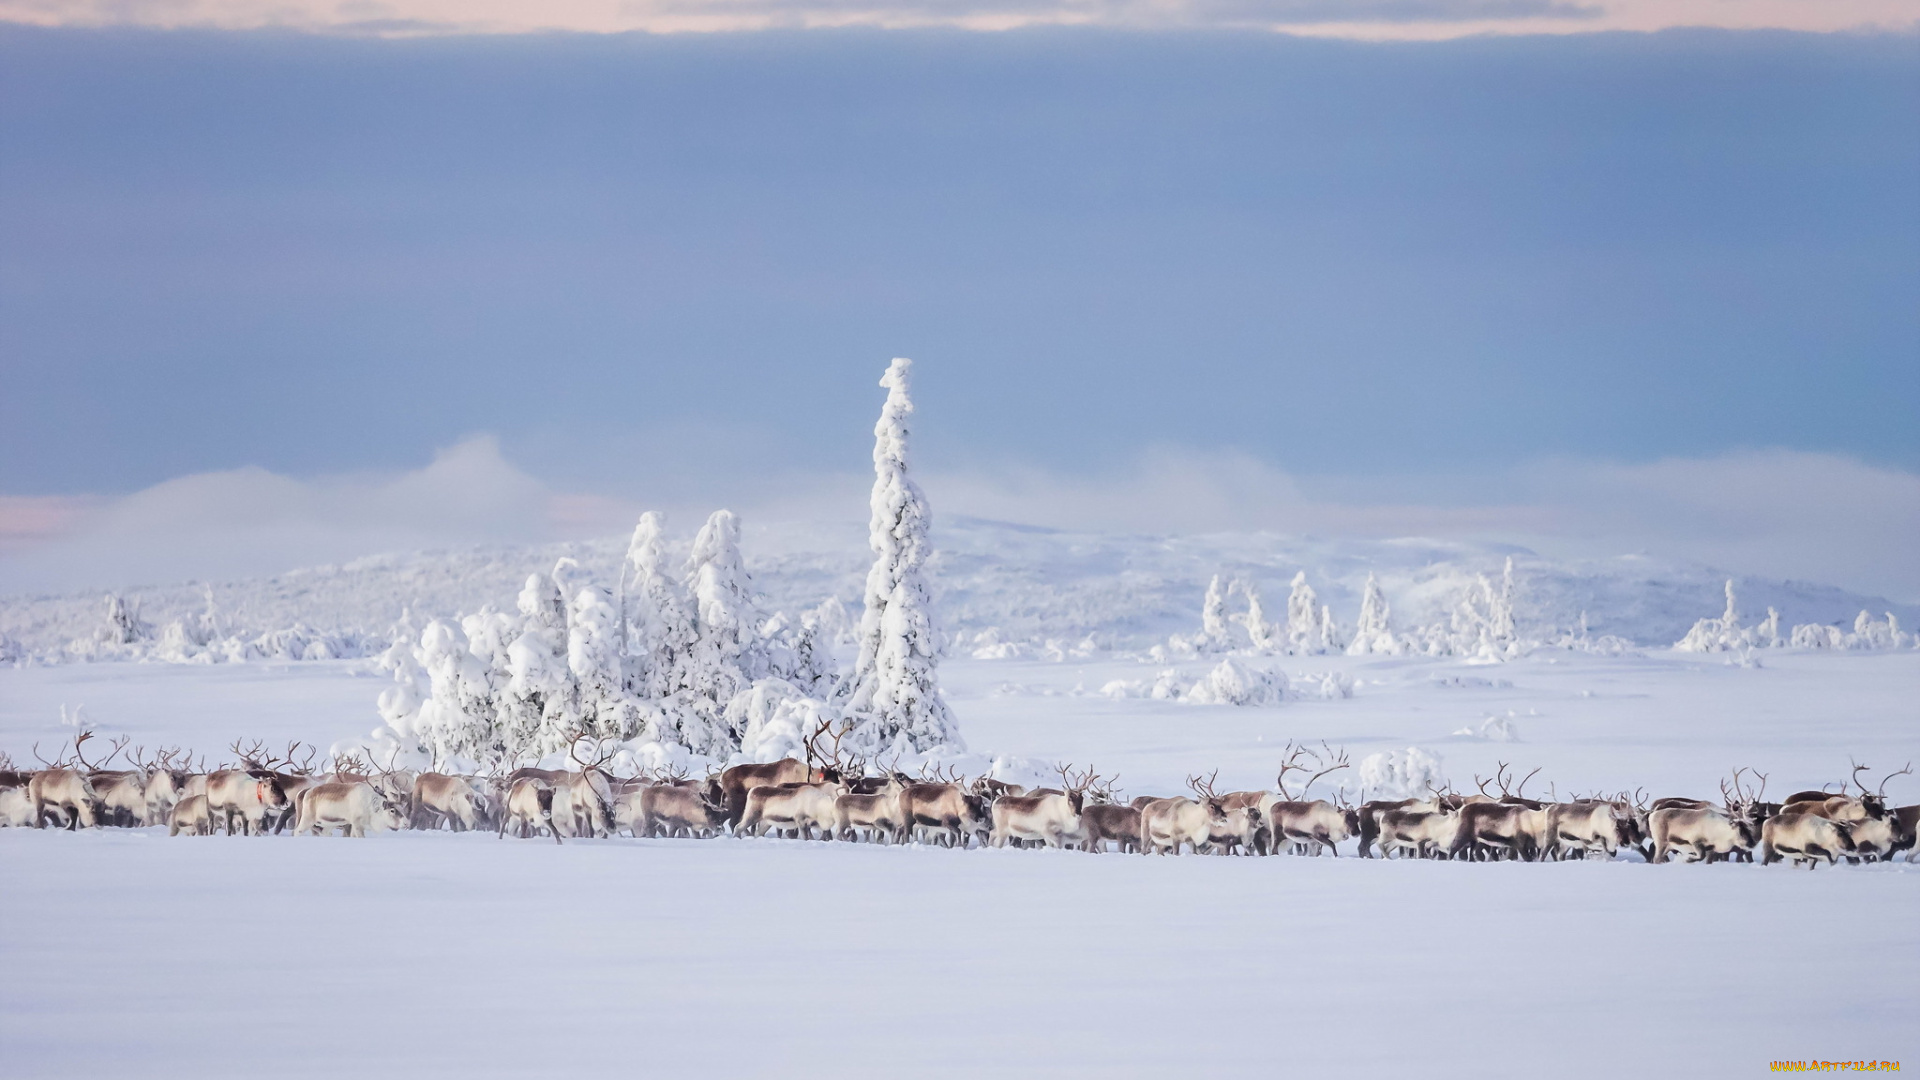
x=660 y=626
x=727 y=655
x=607 y=709
x=1327 y=638
x=1812 y=636
x=1501 y=632
x=1723 y=634
x=124 y=625
x=1259 y=631
x=895 y=688
x=1415 y=773
x=1233 y=682
x=1303 y=616
x=458 y=716
x=1214 y=636
x=1374 y=634
x=543 y=605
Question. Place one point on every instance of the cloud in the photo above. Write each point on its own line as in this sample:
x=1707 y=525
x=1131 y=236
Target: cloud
x=247 y=522
x=1416 y=19
x=1777 y=513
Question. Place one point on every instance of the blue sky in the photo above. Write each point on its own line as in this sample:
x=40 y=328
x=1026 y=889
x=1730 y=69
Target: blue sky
x=650 y=264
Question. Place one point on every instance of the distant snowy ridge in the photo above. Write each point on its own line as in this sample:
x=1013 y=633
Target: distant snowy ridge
x=1025 y=591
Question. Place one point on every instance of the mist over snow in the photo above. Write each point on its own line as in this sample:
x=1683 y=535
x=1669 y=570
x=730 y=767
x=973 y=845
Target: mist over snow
x=1017 y=583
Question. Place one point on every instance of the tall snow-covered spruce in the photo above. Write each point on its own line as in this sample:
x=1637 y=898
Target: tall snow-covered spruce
x=894 y=693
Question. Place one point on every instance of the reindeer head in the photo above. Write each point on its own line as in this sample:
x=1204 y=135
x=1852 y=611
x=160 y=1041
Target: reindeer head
x=1076 y=787
x=1204 y=794
x=827 y=766
x=272 y=795
x=1875 y=802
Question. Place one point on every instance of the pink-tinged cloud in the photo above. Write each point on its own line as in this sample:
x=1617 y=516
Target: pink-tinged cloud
x=1362 y=19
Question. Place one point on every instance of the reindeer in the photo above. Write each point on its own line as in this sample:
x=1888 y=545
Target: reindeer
x=1413 y=831
x=122 y=793
x=64 y=790
x=1310 y=826
x=190 y=815
x=528 y=807
x=940 y=807
x=16 y=806
x=881 y=814
x=1053 y=818
x=1709 y=831
x=670 y=809
x=1807 y=838
x=583 y=801
x=1370 y=818
x=246 y=795
x=1584 y=826
x=295 y=776
x=1102 y=823
x=1906 y=824
x=357 y=809
x=802 y=807
x=1873 y=839
x=741 y=779
x=1167 y=825
x=167 y=782
x=799 y=807
x=1848 y=809
x=454 y=801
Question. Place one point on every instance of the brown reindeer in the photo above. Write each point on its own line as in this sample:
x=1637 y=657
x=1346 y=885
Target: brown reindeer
x=1798 y=838
x=453 y=801
x=670 y=809
x=356 y=809
x=1052 y=819
x=1711 y=832
x=1167 y=825
x=941 y=808
x=64 y=790
x=1413 y=831
x=190 y=815
x=527 y=807
x=736 y=782
x=881 y=814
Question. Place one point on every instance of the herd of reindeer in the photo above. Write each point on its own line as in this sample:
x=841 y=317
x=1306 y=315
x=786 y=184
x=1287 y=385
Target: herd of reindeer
x=831 y=796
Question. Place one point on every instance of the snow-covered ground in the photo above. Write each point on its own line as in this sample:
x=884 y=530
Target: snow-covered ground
x=469 y=956
x=1670 y=722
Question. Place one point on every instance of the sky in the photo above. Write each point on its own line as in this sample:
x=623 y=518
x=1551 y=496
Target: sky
x=388 y=285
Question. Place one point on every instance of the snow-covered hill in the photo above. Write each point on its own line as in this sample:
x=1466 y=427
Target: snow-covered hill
x=1019 y=583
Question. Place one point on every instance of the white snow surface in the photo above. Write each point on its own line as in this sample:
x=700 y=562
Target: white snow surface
x=441 y=955
x=444 y=956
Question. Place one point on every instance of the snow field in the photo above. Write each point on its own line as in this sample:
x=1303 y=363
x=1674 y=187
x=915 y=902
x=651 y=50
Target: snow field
x=443 y=955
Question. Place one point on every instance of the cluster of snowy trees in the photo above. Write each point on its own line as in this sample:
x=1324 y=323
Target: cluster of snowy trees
x=1728 y=633
x=1481 y=625
x=674 y=662
x=201 y=638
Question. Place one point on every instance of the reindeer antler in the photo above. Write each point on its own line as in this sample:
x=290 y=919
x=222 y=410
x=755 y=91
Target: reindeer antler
x=1339 y=762
x=1205 y=789
x=1521 y=791
x=1290 y=764
x=1855 y=778
x=1882 y=792
x=601 y=755
x=119 y=745
x=80 y=755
